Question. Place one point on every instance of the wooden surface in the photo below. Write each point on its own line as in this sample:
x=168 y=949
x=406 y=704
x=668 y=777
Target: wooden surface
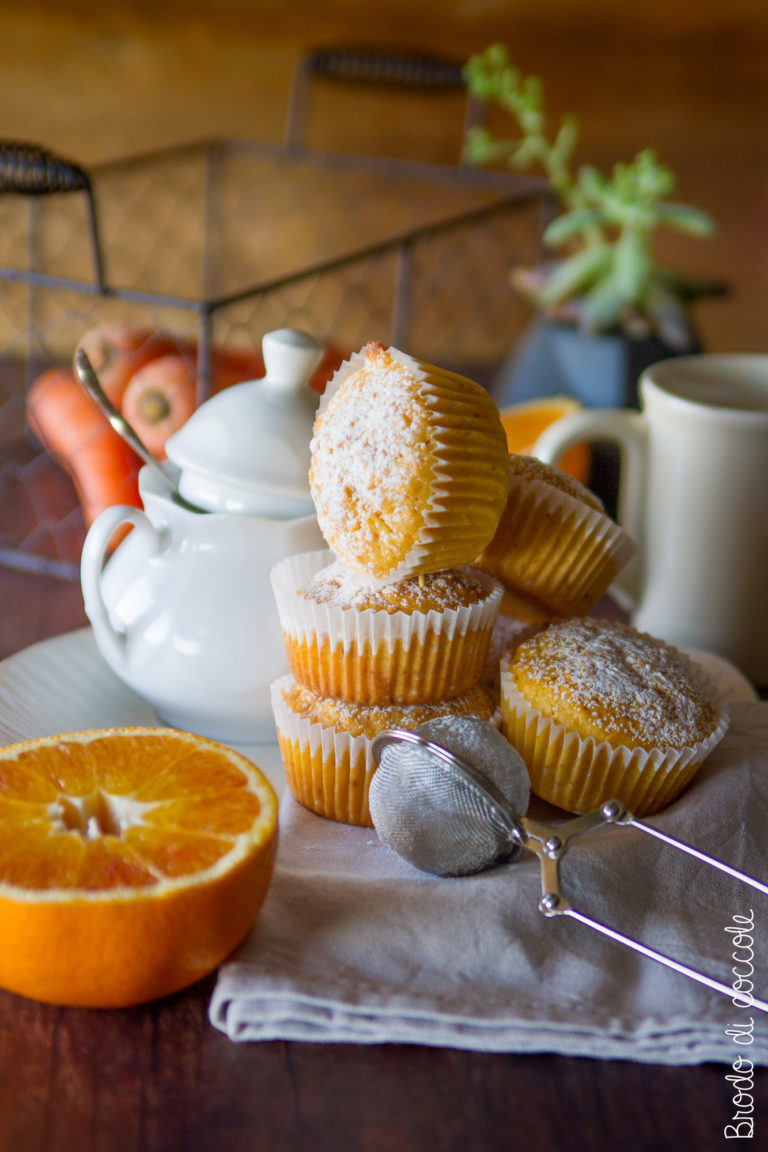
x=162 y=1079
x=98 y=82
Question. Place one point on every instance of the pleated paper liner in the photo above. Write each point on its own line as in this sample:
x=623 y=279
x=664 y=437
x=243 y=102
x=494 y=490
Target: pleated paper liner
x=581 y=774
x=373 y=656
x=554 y=548
x=329 y=766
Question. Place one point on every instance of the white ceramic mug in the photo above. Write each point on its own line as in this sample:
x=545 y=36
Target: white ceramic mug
x=694 y=495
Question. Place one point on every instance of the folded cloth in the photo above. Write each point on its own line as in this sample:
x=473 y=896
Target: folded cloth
x=354 y=945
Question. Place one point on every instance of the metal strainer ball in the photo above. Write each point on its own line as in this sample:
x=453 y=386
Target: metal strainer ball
x=448 y=796
x=451 y=796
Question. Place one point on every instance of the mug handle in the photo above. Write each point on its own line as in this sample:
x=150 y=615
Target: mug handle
x=629 y=430
x=95 y=547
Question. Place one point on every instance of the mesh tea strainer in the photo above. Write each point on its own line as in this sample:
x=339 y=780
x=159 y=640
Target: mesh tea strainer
x=450 y=798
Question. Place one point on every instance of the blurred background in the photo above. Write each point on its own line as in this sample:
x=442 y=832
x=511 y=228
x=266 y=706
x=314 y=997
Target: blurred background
x=99 y=81
x=102 y=82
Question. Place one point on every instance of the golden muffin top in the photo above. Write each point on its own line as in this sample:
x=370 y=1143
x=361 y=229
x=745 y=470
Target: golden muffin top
x=409 y=465
x=613 y=683
x=369 y=719
x=529 y=468
x=341 y=587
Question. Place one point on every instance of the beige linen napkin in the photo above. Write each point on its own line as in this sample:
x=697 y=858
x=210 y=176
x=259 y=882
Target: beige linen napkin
x=354 y=945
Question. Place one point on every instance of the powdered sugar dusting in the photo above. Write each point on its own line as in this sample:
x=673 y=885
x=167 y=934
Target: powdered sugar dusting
x=342 y=587
x=530 y=468
x=629 y=683
x=369 y=719
x=367 y=451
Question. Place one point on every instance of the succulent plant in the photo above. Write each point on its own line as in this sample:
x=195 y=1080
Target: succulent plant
x=607 y=276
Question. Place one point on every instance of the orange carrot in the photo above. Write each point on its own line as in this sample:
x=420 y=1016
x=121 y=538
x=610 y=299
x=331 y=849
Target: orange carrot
x=160 y=397
x=78 y=435
x=332 y=359
x=229 y=366
x=118 y=350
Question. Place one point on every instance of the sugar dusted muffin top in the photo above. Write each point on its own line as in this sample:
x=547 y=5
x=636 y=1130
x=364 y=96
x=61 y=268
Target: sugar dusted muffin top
x=528 y=468
x=613 y=683
x=409 y=465
x=369 y=719
x=342 y=587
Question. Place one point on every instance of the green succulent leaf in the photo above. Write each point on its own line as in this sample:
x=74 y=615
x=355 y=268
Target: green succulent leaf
x=631 y=267
x=686 y=219
x=576 y=274
x=601 y=307
x=669 y=315
x=592 y=184
x=489 y=76
x=480 y=147
x=566 y=140
x=611 y=220
x=527 y=152
x=569 y=225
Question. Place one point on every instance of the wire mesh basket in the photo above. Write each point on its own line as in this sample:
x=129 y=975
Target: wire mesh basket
x=218 y=243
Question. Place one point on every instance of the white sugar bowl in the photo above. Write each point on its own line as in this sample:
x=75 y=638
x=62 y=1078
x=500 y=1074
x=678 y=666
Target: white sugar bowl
x=183 y=610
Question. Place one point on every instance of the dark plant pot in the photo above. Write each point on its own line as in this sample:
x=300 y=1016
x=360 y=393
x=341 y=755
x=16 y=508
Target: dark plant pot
x=600 y=371
x=555 y=359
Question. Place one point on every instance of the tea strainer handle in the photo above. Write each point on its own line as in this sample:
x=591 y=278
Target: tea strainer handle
x=550 y=845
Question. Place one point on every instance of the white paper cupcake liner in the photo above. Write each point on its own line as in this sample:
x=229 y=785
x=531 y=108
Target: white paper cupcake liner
x=327 y=768
x=555 y=548
x=371 y=656
x=580 y=774
x=328 y=771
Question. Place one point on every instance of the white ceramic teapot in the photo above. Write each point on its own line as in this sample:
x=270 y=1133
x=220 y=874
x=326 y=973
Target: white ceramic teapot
x=183 y=611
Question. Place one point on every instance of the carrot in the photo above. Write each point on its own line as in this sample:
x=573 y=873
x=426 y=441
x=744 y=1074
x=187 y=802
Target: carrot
x=230 y=367
x=161 y=397
x=73 y=429
x=117 y=350
x=332 y=359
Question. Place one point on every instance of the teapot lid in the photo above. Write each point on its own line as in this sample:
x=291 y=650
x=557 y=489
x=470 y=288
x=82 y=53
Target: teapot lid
x=246 y=449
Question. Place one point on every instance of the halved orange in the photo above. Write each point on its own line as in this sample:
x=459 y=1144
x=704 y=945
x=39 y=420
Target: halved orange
x=525 y=422
x=132 y=862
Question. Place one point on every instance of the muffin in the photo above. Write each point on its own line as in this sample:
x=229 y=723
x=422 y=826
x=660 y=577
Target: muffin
x=326 y=744
x=600 y=711
x=554 y=542
x=422 y=639
x=508 y=632
x=409 y=466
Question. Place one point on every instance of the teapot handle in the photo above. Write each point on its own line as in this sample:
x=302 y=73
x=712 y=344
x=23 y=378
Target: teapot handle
x=629 y=430
x=95 y=547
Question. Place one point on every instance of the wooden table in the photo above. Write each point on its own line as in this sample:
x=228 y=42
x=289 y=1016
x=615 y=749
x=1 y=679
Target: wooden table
x=161 y=1078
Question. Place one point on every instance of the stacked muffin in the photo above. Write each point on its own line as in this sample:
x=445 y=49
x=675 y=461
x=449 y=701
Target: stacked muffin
x=391 y=628
x=555 y=551
x=446 y=549
x=597 y=710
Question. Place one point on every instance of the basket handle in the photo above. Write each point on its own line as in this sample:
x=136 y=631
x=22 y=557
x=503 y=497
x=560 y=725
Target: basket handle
x=372 y=66
x=29 y=170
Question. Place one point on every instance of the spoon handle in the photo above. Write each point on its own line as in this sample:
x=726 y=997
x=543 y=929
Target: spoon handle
x=90 y=382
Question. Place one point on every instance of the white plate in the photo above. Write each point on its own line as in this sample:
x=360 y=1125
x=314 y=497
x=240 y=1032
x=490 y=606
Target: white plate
x=64 y=685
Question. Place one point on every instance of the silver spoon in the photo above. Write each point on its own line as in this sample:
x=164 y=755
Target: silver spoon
x=90 y=382
x=434 y=802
